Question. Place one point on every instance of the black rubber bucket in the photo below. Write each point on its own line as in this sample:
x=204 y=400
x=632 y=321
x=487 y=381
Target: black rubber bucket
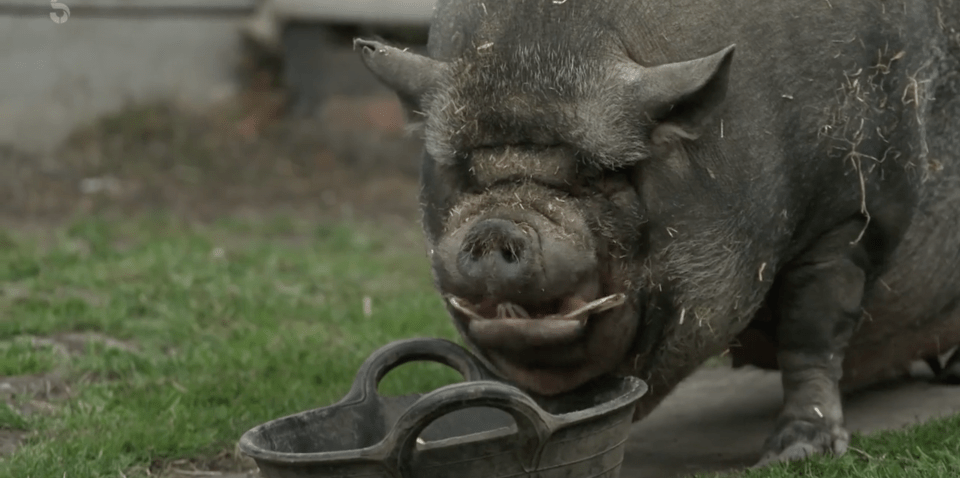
x=480 y=428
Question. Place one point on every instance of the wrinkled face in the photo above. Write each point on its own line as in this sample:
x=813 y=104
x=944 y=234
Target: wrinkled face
x=533 y=198
x=534 y=252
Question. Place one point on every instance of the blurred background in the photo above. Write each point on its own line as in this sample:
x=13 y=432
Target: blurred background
x=202 y=108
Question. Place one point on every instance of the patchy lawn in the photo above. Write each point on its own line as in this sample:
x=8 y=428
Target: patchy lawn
x=142 y=347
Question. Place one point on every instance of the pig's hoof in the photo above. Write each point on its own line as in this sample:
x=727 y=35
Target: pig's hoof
x=799 y=439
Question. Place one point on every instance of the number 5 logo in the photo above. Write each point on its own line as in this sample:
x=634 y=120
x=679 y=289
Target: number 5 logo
x=60 y=13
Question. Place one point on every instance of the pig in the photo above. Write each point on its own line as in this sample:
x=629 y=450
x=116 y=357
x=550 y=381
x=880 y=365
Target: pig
x=615 y=188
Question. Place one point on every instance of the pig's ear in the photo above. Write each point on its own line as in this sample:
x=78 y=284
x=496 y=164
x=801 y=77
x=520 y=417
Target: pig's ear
x=682 y=96
x=408 y=74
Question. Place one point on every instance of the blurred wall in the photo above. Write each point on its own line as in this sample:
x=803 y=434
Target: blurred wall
x=54 y=76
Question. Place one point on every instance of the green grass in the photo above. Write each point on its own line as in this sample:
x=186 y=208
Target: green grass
x=231 y=325
x=929 y=450
x=21 y=357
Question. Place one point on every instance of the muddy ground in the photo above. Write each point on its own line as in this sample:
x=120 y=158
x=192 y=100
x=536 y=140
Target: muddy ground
x=352 y=159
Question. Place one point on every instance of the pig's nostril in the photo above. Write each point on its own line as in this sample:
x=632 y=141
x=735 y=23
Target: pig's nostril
x=474 y=253
x=510 y=255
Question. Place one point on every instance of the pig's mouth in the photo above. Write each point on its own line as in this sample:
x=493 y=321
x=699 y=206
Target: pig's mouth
x=545 y=348
x=512 y=327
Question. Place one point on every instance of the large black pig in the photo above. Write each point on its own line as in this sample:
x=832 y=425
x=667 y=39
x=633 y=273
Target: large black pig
x=625 y=187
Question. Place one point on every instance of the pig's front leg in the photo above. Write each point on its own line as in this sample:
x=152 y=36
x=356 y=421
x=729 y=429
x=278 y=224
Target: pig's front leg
x=818 y=300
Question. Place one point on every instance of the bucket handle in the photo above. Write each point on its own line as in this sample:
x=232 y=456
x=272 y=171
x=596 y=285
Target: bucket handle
x=400 y=352
x=533 y=428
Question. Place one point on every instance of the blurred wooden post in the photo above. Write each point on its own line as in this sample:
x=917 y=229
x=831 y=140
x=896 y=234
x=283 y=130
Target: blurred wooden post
x=314 y=66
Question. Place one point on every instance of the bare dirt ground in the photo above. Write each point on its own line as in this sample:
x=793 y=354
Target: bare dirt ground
x=353 y=160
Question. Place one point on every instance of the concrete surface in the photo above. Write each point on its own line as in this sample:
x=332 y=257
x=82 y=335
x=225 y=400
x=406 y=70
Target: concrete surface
x=718 y=419
x=55 y=76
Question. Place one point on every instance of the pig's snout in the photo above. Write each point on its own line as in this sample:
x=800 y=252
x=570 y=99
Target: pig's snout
x=509 y=271
x=528 y=292
x=499 y=257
